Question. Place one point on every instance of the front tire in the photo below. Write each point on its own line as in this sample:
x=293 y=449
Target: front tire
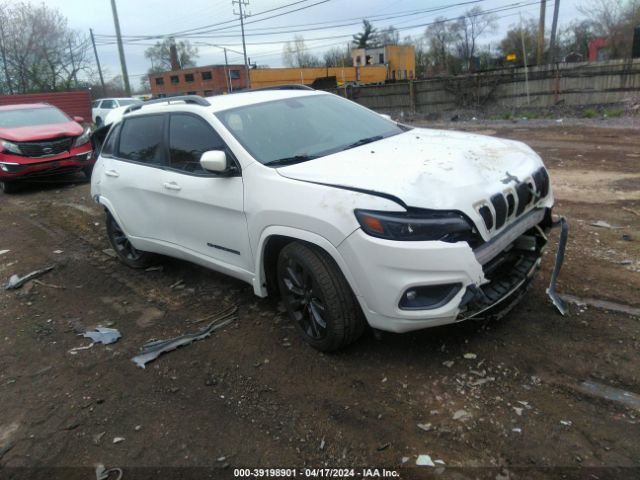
x=318 y=298
x=9 y=187
x=126 y=252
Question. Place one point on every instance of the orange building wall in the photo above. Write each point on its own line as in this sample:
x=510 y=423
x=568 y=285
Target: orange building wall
x=268 y=77
x=401 y=58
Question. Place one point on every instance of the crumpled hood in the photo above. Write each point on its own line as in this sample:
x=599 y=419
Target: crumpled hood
x=41 y=132
x=425 y=168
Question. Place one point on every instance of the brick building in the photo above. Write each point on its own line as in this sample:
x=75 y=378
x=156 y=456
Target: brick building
x=205 y=81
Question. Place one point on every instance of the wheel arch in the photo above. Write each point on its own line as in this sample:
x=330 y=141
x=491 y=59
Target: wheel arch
x=106 y=204
x=273 y=240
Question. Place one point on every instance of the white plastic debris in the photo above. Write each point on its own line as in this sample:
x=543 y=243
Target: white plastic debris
x=470 y=356
x=518 y=411
x=118 y=439
x=424 y=460
x=424 y=426
x=566 y=423
x=103 y=335
x=448 y=363
x=461 y=415
x=516 y=430
x=2 y=252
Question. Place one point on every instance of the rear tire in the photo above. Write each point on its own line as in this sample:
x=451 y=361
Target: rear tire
x=9 y=187
x=125 y=251
x=318 y=298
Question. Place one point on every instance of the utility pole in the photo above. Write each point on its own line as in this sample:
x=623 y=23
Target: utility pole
x=227 y=73
x=540 y=51
x=526 y=68
x=4 y=58
x=95 y=51
x=243 y=3
x=73 y=64
x=123 y=63
x=554 y=26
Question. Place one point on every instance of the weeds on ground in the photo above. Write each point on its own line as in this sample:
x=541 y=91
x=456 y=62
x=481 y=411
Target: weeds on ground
x=589 y=113
x=614 y=113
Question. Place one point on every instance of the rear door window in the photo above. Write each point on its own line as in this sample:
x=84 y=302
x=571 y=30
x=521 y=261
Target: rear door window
x=141 y=139
x=189 y=138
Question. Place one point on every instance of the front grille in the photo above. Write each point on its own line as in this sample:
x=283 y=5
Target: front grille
x=45 y=149
x=500 y=207
x=504 y=205
x=541 y=177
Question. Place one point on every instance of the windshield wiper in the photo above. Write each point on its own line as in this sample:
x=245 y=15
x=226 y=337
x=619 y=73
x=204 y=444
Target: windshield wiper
x=291 y=160
x=364 y=141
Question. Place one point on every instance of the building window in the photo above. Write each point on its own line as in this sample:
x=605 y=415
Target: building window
x=162 y=95
x=188 y=77
x=208 y=93
x=192 y=93
x=206 y=75
x=381 y=58
x=159 y=81
x=175 y=80
x=368 y=60
x=234 y=74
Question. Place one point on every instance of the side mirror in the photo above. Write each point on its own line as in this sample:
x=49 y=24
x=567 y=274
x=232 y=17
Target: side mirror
x=214 y=161
x=78 y=119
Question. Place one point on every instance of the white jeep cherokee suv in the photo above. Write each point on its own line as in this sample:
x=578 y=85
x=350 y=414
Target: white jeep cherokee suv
x=353 y=218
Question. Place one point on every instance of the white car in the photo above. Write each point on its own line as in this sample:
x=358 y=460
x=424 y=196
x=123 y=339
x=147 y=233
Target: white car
x=101 y=108
x=353 y=219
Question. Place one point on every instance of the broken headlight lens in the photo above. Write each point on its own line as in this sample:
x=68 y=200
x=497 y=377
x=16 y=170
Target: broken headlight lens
x=418 y=225
x=10 y=147
x=84 y=138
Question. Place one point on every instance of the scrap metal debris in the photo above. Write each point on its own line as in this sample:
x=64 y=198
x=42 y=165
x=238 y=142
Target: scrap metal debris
x=628 y=399
x=562 y=244
x=16 y=282
x=2 y=252
x=424 y=460
x=603 y=224
x=103 y=474
x=602 y=304
x=103 y=335
x=152 y=350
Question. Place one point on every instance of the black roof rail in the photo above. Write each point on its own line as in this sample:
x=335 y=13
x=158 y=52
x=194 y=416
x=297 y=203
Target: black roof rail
x=192 y=99
x=292 y=86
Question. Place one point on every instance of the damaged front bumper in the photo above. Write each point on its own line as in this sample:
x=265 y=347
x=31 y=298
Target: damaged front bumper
x=481 y=283
x=509 y=263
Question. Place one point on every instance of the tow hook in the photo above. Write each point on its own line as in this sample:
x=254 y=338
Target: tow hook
x=562 y=244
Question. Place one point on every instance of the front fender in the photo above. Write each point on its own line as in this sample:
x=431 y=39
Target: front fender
x=259 y=281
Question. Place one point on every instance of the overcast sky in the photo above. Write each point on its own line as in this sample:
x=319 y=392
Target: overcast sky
x=324 y=25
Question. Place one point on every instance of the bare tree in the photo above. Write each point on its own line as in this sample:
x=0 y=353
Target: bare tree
x=295 y=54
x=160 y=55
x=337 y=57
x=471 y=26
x=615 y=20
x=441 y=37
x=512 y=41
x=388 y=36
x=42 y=52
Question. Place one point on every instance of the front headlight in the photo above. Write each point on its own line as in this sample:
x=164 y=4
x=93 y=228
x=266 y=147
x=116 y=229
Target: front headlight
x=10 y=147
x=418 y=225
x=84 y=138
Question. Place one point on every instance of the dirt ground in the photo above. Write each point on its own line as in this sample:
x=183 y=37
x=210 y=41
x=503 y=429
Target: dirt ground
x=500 y=399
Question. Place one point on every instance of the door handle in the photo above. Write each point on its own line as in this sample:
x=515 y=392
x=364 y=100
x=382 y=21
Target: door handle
x=111 y=173
x=172 y=186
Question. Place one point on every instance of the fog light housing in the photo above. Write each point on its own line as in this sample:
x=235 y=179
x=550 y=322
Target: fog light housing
x=428 y=297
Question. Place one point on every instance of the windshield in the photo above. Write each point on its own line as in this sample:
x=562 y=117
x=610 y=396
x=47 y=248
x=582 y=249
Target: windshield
x=27 y=117
x=297 y=129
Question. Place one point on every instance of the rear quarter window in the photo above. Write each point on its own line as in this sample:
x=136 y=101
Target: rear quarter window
x=141 y=139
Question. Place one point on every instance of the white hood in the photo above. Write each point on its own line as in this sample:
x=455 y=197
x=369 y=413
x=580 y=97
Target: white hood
x=433 y=169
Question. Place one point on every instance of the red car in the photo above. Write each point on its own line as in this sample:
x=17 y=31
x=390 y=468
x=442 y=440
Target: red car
x=39 y=141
